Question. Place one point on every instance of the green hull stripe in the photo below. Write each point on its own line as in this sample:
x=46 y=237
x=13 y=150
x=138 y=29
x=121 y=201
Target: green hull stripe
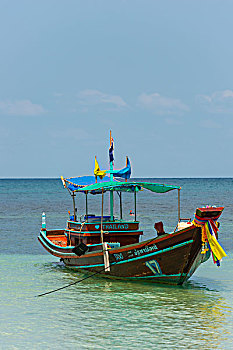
x=139 y=277
x=157 y=252
x=156 y=276
x=138 y=258
x=51 y=243
x=86 y=266
x=55 y=251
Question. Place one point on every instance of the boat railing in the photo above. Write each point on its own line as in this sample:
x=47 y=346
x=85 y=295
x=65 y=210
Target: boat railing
x=97 y=218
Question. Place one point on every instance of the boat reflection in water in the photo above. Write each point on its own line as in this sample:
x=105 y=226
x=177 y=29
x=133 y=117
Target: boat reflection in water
x=191 y=316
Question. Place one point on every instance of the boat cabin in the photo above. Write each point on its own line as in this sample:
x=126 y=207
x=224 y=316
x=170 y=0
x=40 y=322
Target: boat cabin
x=96 y=229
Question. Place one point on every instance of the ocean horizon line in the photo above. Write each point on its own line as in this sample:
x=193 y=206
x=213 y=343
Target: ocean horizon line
x=138 y=177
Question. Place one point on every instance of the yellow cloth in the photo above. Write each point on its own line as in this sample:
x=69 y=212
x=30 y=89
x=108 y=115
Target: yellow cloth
x=214 y=245
x=97 y=171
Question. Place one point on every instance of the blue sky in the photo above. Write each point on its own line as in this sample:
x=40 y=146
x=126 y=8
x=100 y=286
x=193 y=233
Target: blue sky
x=157 y=73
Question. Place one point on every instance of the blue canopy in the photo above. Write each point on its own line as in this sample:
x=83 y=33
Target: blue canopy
x=75 y=183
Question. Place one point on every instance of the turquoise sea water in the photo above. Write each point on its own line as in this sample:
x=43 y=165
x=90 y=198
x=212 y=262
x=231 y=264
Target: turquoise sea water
x=102 y=314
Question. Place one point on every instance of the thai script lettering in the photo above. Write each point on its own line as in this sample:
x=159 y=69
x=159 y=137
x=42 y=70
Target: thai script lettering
x=118 y=256
x=147 y=249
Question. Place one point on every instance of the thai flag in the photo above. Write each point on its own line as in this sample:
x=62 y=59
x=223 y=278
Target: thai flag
x=111 y=149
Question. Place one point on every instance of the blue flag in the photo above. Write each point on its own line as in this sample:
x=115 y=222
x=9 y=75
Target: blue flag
x=125 y=172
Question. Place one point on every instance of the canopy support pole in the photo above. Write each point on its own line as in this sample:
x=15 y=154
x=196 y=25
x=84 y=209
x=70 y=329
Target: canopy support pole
x=86 y=207
x=73 y=196
x=104 y=244
x=135 y=205
x=102 y=214
x=111 y=205
x=120 y=206
x=178 y=204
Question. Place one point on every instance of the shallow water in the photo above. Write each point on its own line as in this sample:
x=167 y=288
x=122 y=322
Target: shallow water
x=98 y=313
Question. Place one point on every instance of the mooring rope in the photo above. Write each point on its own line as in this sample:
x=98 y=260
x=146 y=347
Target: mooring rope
x=85 y=278
x=71 y=284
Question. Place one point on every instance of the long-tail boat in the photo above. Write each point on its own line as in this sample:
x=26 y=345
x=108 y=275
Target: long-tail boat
x=113 y=247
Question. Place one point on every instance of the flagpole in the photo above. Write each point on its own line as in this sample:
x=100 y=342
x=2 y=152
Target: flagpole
x=111 y=179
x=126 y=166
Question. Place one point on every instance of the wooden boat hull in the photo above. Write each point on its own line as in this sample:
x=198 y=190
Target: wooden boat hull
x=171 y=258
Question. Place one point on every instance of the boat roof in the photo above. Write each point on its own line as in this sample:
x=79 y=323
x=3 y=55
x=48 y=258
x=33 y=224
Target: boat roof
x=130 y=186
x=76 y=183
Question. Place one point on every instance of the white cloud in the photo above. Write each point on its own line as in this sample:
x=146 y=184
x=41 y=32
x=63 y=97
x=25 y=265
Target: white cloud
x=218 y=102
x=95 y=97
x=161 y=104
x=20 y=108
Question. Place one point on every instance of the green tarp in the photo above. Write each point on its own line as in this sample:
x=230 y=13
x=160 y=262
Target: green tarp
x=127 y=187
